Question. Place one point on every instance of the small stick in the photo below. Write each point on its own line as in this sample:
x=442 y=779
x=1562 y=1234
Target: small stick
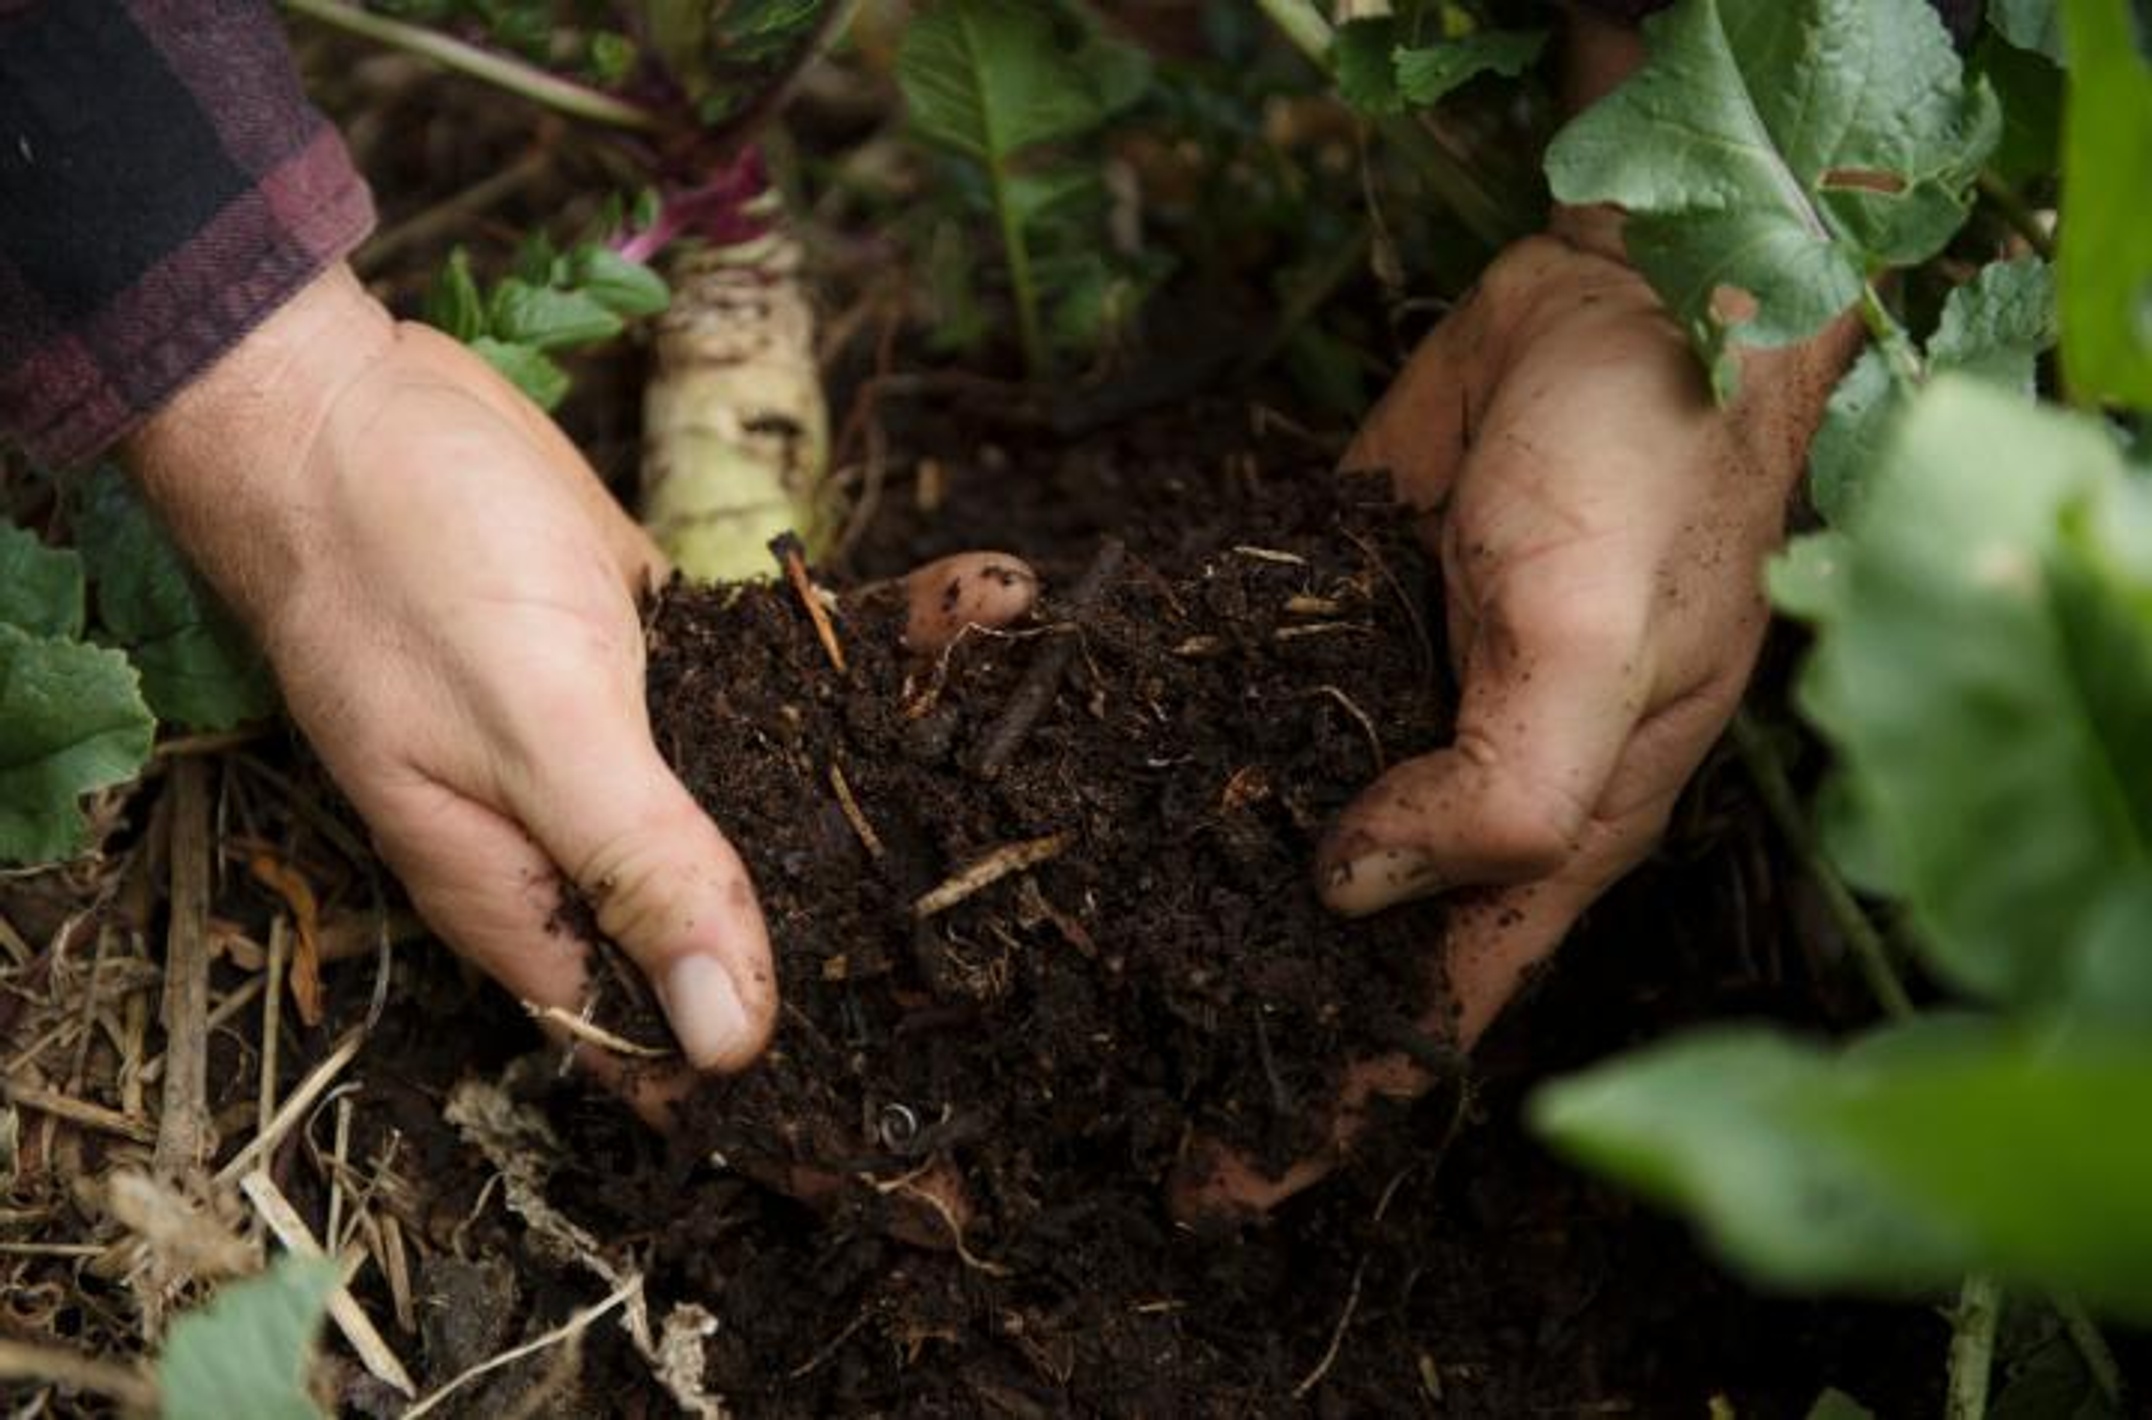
x=54 y=1365
x=394 y=1265
x=295 y=1106
x=74 y=1111
x=333 y=1227
x=184 y=1135
x=241 y=997
x=595 y=1034
x=272 y=1022
x=1374 y=741
x=790 y=556
x=1314 y=1378
x=1271 y=554
x=868 y=838
x=568 y=1330
x=1042 y=679
x=982 y=873
x=291 y=1230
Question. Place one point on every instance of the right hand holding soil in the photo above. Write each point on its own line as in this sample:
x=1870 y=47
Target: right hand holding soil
x=1601 y=526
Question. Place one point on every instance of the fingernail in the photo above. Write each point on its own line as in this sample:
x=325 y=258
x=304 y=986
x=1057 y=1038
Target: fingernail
x=705 y=1011
x=1375 y=880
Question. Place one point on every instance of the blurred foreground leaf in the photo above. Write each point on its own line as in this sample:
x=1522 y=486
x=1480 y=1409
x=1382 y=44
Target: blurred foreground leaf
x=246 y=1353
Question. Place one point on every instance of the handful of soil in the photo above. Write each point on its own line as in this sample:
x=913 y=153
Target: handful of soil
x=1050 y=956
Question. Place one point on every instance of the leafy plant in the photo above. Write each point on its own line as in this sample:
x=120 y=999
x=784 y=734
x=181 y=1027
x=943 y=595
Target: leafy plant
x=554 y=300
x=1003 y=87
x=247 y=1352
x=1981 y=669
x=1385 y=64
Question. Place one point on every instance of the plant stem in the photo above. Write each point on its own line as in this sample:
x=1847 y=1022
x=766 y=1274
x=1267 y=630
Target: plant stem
x=1022 y=288
x=1891 y=338
x=575 y=100
x=1869 y=949
x=1453 y=180
x=1972 y=1347
x=2091 y=1345
x=2014 y=210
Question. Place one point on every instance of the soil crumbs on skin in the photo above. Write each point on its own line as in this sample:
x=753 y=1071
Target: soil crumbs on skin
x=1053 y=1041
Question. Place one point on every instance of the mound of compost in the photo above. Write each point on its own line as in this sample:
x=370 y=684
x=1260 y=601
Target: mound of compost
x=1042 y=905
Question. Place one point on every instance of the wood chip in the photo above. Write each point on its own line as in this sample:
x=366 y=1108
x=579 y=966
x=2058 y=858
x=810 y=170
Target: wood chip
x=82 y=1112
x=984 y=872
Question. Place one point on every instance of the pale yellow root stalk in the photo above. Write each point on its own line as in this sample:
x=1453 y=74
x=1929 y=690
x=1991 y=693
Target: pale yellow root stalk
x=736 y=430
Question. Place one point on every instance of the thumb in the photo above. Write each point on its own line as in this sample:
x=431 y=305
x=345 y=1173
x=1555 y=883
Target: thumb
x=666 y=887
x=1541 y=728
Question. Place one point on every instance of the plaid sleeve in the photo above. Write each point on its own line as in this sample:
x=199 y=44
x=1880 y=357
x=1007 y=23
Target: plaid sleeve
x=164 y=186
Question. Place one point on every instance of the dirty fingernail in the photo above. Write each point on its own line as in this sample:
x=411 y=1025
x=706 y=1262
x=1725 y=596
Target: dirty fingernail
x=1378 y=879
x=705 y=1012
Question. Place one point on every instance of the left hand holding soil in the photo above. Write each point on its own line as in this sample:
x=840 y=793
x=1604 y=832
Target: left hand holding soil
x=449 y=597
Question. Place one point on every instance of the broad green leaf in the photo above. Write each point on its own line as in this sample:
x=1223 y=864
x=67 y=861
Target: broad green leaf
x=624 y=287
x=1364 y=64
x=2030 y=90
x=40 y=586
x=989 y=79
x=1896 y=1166
x=1995 y=326
x=547 y=318
x=2106 y=257
x=2029 y=24
x=544 y=383
x=71 y=721
x=453 y=304
x=247 y=1352
x=199 y=668
x=1987 y=756
x=1426 y=75
x=1783 y=149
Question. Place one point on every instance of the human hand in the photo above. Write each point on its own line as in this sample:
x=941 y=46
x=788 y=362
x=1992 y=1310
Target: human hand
x=449 y=597
x=1601 y=528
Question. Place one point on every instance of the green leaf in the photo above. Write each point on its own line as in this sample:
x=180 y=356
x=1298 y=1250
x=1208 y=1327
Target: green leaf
x=546 y=318
x=612 y=56
x=1784 y=149
x=2106 y=257
x=199 y=668
x=1926 y=1152
x=1835 y=1404
x=40 y=586
x=71 y=721
x=1425 y=76
x=247 y=1352
x=2029 y=24
x=988 y=79
x=1363 y=59
x=1995 y=326
x=624 y=287
x=1967 y=674
x=543 y=383
x=453 y=304
x=2030 y=89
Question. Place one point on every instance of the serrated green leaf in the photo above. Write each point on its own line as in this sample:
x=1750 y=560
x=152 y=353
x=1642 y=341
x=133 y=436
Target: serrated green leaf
x=543 y=383
x=1995 y=326
x=247 y=1352
x=547 y=318
x=2029 y=24
x=1426 y=75
x=1899 y=1165
x=2106 y=258
x=199 y=668
x=1980 y=747
x=71 y=721
x=988 y=79
x=452 y=303
x=626 y=288
x=1781 y=149
x=40 y=586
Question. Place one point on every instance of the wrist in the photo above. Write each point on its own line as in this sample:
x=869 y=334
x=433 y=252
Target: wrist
x=224 y=462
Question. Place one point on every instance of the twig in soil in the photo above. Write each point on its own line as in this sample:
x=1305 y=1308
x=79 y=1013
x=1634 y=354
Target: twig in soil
x=74 y=1111
x=1352 y=708
x=868 y=838
x=829 y=1348
x=54 y=1365
x=1314 y=1378
x=594 y=1034
x=568 y=1330
x=295 y=1106
x=272 y=1022
x=909 y=1188
x=1405 y=600
x=242 y=997
x=1320 y=628
x=291 y=1230
x=332 y=1227
x=1271 y=554
x=793 y=559
x=1042 y=679
x=183 y=1139
x=981 y=873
